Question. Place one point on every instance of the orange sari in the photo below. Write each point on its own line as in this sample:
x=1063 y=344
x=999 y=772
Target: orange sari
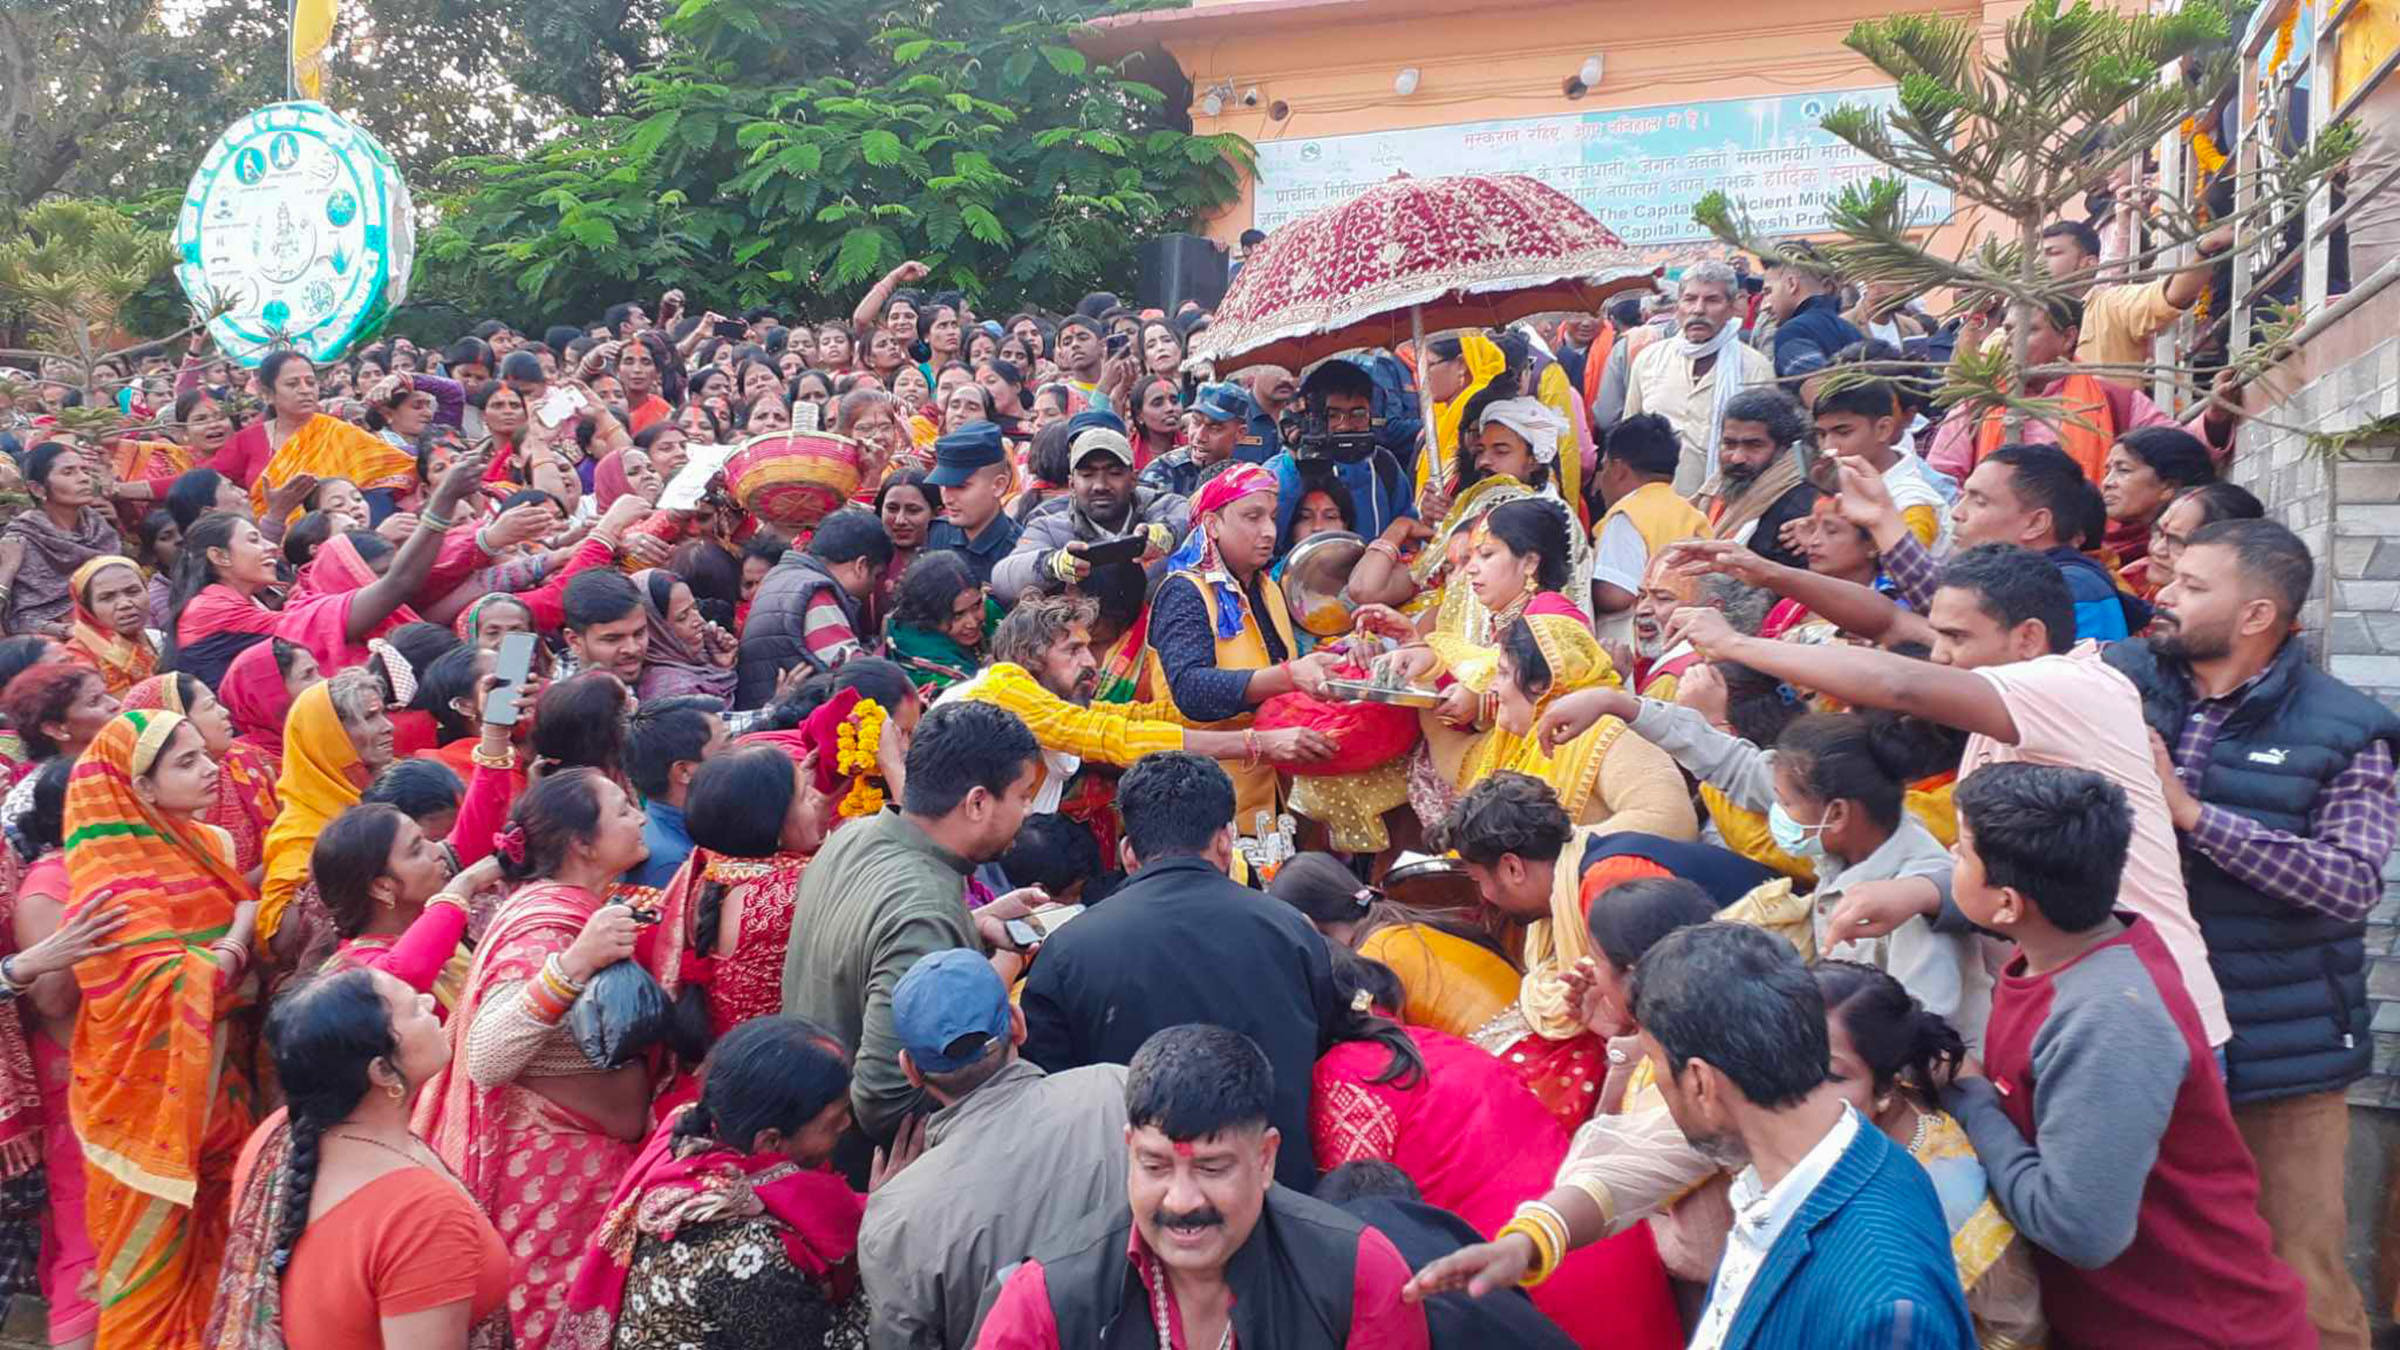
x=329 y=447
x=246 y=803
x=122 y=662
x=542 y=1172
x=162 y=1093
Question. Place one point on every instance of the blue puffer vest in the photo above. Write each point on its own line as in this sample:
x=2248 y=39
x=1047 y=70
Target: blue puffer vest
x=2295 y=981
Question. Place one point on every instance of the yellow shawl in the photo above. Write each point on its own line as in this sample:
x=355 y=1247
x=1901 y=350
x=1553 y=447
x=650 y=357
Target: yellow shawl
x=1576 y=662
x=329 y=447
x=1484 y=363
x=315 y=787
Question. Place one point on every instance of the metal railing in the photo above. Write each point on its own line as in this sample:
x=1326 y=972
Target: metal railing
x=2307 y=75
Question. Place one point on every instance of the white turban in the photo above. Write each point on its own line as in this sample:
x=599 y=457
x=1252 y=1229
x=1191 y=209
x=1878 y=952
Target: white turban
x=1531 y=419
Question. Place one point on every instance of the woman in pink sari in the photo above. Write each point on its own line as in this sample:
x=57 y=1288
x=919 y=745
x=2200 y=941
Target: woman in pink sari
x=226 y=563
x=1460 y=1123
x=538 y=1134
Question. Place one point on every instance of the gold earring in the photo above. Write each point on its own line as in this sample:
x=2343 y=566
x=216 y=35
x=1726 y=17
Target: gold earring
x=395 y=1091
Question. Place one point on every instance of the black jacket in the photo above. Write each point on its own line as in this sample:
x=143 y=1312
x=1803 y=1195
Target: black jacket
x=1809 y=340
x=1294 y=1282
x=2294 y=980
x=1180 y=942
x=1457 y=1320
x=771 y=637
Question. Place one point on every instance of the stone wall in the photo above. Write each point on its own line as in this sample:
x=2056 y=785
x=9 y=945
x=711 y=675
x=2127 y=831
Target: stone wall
x=2348 y=509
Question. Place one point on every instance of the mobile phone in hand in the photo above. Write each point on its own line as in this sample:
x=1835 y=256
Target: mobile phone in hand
x=514 y=666
x=558 y=405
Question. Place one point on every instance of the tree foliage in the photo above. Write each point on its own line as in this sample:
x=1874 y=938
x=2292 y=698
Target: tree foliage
x=118 y=98
x=2070 y=93
x=807 y=146
x=70 y=269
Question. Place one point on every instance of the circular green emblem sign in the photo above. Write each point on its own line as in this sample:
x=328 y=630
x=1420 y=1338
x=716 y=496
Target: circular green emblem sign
x=300 y=219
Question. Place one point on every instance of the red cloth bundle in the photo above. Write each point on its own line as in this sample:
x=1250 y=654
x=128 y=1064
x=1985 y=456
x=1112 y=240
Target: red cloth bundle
x=1364 y=735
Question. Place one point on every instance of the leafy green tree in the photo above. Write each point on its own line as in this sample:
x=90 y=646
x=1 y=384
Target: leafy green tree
x=68 y=273
x=807 y=146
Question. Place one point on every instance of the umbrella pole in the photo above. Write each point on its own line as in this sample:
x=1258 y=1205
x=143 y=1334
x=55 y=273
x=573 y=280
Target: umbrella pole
x=1436 y=473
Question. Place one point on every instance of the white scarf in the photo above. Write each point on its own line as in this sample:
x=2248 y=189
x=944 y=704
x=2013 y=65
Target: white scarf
x=1728 y=374
x=1531 y=419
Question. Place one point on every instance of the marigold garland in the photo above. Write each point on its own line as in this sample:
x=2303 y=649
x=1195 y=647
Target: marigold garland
x=856 y=743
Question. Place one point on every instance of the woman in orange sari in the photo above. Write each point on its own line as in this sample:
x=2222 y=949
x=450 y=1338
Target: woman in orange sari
x=246 y=804
x=110 y=631
x=299 y=440
x=162 y=1096
x=537 y=1133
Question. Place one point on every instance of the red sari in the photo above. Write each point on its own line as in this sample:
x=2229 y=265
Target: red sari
x=746 y=981
x=254 y=692
x=1477 y=1144
x=541 y=1171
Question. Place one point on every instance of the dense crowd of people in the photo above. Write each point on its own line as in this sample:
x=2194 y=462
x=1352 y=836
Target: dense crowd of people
x=1633 y=830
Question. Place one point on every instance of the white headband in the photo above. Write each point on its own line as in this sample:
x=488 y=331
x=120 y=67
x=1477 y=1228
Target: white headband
x=1531 y=419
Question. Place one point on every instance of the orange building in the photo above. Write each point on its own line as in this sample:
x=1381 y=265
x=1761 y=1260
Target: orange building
x=1635 y=109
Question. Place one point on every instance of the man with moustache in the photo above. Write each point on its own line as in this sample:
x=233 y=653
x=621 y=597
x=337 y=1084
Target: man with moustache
x=1043 y=670
x=1659 y=664
x=1212 y=1252
x=2278 y=778
x=1103 y=504
x=1758 y=488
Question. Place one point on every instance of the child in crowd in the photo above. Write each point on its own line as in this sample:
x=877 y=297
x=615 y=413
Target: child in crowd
x=2100 y=1112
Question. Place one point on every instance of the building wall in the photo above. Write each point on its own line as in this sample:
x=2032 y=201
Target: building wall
x=1334 y=72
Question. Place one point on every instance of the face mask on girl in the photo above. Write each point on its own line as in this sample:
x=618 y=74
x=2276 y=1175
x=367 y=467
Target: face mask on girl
x=1794 y=838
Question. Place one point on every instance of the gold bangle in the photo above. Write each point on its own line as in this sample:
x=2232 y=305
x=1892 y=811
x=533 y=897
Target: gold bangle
x=503 y=762
x=1545 y=1256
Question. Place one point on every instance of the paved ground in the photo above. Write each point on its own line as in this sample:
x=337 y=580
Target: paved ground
x=24 y=1328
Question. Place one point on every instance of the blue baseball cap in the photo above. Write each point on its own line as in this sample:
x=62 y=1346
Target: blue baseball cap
x=943 y=999
x=1217 y=403
x=963 y=451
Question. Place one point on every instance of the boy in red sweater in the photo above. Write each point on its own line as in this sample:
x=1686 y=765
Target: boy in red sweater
x=2099 y=1113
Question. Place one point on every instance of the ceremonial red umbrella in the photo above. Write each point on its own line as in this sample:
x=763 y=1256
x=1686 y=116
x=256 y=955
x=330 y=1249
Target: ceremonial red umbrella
x=1410 y=256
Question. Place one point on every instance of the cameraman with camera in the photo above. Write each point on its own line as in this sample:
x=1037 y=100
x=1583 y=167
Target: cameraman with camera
x=1336 y=423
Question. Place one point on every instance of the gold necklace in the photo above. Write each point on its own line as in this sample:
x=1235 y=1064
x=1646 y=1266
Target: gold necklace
x=377 y=1143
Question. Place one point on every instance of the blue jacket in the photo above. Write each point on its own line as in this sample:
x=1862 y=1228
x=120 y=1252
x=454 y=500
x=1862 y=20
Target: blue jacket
x=2103 y=613
x=1865 y=1264
x=1379 y=494
x=1808 y=340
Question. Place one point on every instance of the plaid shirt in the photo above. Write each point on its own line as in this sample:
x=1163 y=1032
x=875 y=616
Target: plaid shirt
x=1913 y=571
x=2336 y=869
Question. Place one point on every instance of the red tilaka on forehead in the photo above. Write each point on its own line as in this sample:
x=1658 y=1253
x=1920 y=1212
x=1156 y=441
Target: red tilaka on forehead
x=1183 y=1147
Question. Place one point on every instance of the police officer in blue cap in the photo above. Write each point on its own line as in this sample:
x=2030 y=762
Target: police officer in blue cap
x=1219 y=414
x=970 y=466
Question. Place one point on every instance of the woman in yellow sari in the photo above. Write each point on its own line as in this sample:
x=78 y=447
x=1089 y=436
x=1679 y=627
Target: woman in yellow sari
x=297 y=439
x=162 y=1092
x=1457 y=976
x=1605 y=776
x=336 y=738
x=1456 y=370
